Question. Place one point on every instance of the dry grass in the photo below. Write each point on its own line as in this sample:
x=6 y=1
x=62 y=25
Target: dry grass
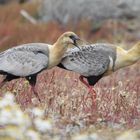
x=62 y=94
x=118 y=97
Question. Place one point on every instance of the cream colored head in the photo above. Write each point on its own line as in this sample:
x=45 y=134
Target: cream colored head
x=137 y=48
x=67 y=39
x=58 y=49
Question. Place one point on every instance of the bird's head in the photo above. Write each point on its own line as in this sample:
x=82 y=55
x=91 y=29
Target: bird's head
x=138 y=47
x=135 y=50
x=68 y=39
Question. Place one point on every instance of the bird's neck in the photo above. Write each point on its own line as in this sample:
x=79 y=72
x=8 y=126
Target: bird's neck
x=126 y=58
x=56 y=53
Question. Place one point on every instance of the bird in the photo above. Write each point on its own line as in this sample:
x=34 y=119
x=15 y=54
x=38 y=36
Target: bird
x=94 y=61
x=28 y=60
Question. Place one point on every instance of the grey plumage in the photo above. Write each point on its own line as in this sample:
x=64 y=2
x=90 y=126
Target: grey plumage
x=25 y=60
x=90 y=60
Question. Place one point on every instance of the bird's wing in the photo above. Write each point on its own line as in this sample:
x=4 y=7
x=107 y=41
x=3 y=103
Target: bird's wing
x=25 y=60
x=87 y=61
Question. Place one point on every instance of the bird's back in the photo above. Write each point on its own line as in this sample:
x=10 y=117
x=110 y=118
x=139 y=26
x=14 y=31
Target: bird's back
x=90 y=60
x=25 y=59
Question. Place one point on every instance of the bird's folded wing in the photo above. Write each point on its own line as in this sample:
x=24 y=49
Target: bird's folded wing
x=24 y=60
x=86 y=61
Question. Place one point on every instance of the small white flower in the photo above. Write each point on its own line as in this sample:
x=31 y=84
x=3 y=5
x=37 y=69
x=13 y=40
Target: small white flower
x=5 y=117
x=37 y=112
x=33 y=135
x=9 y=96
x=7 y=100
x=15 y=117
x=81 y=137
x=93 y=136
x=128 y=135
x=19 y=118
x=42 y=125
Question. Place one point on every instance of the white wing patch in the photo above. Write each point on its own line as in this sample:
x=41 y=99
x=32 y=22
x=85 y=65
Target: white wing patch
x=111 y=63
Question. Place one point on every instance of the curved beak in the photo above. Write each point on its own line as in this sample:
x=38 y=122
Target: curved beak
x=75 y=39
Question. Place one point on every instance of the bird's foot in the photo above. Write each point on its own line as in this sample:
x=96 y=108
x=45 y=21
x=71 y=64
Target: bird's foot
x=36 y=94
x=91 y=95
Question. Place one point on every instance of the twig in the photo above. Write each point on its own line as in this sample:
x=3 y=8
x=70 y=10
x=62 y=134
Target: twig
x=27 y=16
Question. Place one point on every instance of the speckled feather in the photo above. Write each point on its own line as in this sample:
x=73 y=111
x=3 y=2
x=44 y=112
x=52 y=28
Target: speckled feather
x=25 y=59
x=90 y=60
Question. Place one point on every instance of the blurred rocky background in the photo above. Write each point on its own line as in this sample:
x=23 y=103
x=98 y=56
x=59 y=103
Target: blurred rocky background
x=94 y=20
x=64 y=11
x=11 y=1
x=98 y=14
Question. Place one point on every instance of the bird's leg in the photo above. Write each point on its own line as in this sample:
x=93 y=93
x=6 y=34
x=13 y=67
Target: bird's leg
x=83 y=81
x=32 y=81
x=35 y=93
x=91 y=91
